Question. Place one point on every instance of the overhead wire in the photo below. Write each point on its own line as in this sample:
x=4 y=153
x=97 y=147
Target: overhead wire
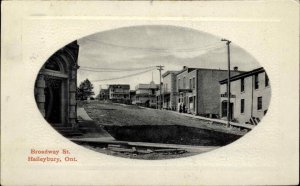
x=98 y=69
x=122 y=77
x=147 y=69
x=160 y=49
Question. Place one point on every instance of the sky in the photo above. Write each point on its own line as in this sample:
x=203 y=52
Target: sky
x=135 y=51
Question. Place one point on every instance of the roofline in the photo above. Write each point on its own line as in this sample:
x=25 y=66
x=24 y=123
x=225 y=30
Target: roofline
x=184 y=70
x=208 y=69
x=169 y=72
x=243 y=75
x=118 y=84
x=127 y=85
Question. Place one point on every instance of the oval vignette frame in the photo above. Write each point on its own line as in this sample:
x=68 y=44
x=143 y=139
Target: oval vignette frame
x=152 y=92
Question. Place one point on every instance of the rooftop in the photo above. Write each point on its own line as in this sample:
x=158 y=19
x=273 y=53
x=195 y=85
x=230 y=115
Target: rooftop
x=243 y=75
x=211 y=69
x=151 y=85
x=169 y=72
x=125 y=86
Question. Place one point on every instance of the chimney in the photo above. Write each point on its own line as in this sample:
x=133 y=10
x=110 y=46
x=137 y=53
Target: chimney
x=235 y=68
x=184 y=67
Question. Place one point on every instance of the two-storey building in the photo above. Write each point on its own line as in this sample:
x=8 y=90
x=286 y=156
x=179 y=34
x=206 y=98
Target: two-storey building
x=198 y=90
x=119 y=93
x=104 y=94
x=169 y=91
x=145 y=95
x=250 y=96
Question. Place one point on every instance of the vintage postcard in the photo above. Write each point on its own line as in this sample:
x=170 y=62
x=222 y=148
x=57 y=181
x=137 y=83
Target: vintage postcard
x=150 y=93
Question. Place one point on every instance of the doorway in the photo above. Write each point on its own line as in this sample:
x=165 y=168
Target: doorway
x=53 y=101
x=224 y=109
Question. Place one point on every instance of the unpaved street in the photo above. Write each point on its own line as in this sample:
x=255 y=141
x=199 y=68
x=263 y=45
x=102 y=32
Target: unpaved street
x=128 y=115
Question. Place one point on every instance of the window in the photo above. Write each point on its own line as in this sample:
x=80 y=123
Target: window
x=52 y=65
x=256 y=81
x=194 y=82
x=190 y=87
x=184 y=82
x=178 y=83
x=259 y=103
x=266 y=80
x=242 y=105
x=242 y=85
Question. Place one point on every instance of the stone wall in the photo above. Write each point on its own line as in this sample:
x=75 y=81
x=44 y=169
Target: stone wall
x=66 y=59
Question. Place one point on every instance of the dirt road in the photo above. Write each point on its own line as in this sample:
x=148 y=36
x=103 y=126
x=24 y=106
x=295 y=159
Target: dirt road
x=128 y=115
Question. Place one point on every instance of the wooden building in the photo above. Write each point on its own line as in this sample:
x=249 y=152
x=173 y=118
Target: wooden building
x=250 y=96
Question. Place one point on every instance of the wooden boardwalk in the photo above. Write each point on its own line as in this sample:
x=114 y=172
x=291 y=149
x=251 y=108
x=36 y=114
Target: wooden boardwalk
x=223 y=122
x=128 y=144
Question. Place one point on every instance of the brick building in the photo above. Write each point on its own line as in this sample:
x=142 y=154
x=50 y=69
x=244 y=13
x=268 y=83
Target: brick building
x=198 y=90
x=56 y=85
x=250 y=96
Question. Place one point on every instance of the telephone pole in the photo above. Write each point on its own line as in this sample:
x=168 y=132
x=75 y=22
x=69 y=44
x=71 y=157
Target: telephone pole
x=228 y=81
x=160 y=68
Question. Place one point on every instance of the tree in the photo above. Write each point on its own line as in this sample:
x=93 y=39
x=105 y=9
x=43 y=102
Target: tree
x=85 y=90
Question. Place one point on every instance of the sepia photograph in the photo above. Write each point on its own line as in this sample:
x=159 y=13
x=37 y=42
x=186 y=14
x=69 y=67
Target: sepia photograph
x=152 y=92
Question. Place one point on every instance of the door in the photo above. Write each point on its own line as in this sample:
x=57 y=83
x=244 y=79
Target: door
x=224 y=109
x=53 y=101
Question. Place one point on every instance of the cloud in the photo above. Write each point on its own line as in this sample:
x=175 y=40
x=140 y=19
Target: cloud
x=143 y=46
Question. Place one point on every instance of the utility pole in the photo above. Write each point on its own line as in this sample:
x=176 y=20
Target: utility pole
x=160 y=68
x=228 y=81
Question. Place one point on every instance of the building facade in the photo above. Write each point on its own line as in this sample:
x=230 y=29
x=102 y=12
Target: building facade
x=56 y=86
x=104 y=94
x=187 y=99
x=250 y=96
x=169 y=91
x=145 y=95
x=119 y=93
x=198 y=90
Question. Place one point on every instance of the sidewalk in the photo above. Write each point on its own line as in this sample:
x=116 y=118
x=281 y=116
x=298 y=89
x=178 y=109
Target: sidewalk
x=81 y=113
x=219 y=121
x=90 y=128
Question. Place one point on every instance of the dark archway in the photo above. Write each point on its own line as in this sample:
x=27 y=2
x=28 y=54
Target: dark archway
x=56 y=85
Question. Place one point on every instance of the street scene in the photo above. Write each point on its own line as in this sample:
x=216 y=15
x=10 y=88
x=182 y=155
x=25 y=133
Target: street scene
x=152 y=92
